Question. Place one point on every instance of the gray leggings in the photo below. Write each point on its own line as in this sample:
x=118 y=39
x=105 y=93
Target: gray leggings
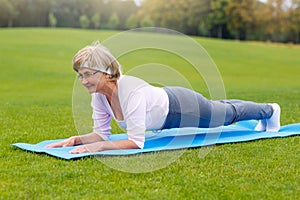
x=190 y=109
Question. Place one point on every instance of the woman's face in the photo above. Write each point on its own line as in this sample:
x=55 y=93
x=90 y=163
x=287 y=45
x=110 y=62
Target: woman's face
x=91 y=79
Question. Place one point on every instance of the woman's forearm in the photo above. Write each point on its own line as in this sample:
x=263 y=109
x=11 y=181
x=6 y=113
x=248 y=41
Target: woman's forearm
x=120 y=144
x=89 y=138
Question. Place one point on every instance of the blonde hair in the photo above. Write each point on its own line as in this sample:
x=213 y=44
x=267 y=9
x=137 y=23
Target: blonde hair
x=97 y=57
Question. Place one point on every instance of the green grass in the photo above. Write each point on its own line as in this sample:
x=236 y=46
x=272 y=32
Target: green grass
x=36 y=104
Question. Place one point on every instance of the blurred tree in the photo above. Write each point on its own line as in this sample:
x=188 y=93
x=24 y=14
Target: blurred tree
x=240 y=17
x=275 y=19
x=259 y=32
x=203 y=29
x=217 y=17
x=114 y=21
x=8 y=12
x=166 y=13
x=181 y=15
x=123 y=9
x=36 y=12
x=147 y=22
x=66 y=13
x=52 y=20
x=84 y=21
x=197 y=17
x=294 y=16
x=131 y=22
x=96 y=20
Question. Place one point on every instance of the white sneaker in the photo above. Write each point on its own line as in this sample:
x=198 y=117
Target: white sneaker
x=273 y=123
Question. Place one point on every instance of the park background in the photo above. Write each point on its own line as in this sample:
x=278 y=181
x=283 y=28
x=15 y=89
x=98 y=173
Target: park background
x=264 y=20
x=259 y=61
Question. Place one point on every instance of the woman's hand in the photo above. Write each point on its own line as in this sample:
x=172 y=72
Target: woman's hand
x=105 y=145
x=74 y=140
x=94 y=147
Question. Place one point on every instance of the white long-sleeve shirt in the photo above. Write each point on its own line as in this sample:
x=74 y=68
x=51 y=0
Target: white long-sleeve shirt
x=144 y=107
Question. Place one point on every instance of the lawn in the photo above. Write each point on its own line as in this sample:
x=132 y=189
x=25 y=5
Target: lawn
x=36 y=87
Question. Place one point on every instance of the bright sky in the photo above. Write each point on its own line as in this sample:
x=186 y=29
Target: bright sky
x=138 y=2
x=287 y=2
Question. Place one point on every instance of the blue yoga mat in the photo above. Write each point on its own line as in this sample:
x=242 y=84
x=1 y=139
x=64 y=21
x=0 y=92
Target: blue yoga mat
x=171 y=139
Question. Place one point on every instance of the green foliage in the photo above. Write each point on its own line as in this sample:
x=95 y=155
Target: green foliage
x=8 y=12
x=295 y=24
x=123 y=9
x=84 y=21
x=147 y=22
x=201 y=9
x=203 y=29
x=96 y=20
x=217 y=18
x=272 y=20
x=240 y=17
x=173 y=14
x=131 y=22
x=52 y=20
x=114 y=21
x=36 y=104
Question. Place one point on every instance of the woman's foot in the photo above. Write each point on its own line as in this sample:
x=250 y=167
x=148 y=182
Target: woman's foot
x=261 y=125
x=273 y=123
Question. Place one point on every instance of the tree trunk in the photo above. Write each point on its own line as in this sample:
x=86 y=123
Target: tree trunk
x=238 y=35
x=220 y=32
x=10 y=22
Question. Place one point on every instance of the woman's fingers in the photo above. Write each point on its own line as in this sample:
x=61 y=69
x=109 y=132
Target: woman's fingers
x=78 y=150
x=68 y=143
x=94 y=147
x=71 y=142
x=55 y=145
x=65 y=143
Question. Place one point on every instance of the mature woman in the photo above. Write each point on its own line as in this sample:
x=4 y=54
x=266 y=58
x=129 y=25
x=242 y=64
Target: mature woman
x=138 y=106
